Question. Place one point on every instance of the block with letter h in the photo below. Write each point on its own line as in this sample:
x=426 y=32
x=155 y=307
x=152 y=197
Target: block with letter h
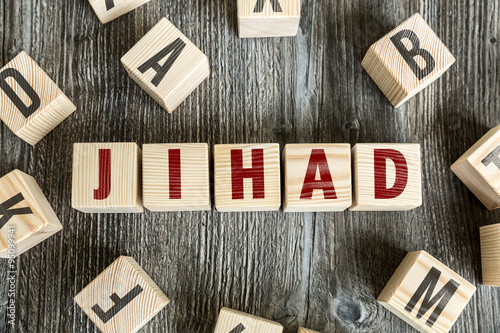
x=407 y=60
x=426 y=294
x=108 y=10
x=167 y=65
x=490 y=254
x=122 y=299
x=107 y=178
x=232 y=321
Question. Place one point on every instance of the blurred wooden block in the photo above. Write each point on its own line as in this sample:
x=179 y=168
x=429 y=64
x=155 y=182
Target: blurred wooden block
x=317 y=177
x=490 y=254
x=25 y=214
x=122 y=299
x=31 y=104
x=305 y=330
x=386 y=177
x=107 y=178
x=479 y=169
x=167 y=65
x=268 y=18
x=232 y=321
x=407 y=60
x=108 y=10
x=176 y=177
x=426 y=294
x=247 y=177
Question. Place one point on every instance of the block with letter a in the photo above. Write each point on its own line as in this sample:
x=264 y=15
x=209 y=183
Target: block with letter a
x=407 y=60
x=25 y=214
x=176 y=177
x=232 y=321
x=426 y=294
x=317 y=177
x=107 y=178
x=387 y=176
x=247 y=177
x=31 y=104
x=108 y=10
x=122 y=299
x=167 y=65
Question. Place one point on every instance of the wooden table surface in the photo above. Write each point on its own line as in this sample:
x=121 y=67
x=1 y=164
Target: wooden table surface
x=319 y=270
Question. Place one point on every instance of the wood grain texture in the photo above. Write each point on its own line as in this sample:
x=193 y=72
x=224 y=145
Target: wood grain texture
x=490 y=254
x=108 y=10
x=232 y=321
x=317 y=270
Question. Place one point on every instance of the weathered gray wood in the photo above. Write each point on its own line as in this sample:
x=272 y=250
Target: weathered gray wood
x=322 y=270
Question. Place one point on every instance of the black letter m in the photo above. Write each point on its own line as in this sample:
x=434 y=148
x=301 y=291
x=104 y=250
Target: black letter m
x=259 y=6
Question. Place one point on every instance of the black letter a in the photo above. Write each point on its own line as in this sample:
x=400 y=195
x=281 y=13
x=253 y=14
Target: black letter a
x=35 y=99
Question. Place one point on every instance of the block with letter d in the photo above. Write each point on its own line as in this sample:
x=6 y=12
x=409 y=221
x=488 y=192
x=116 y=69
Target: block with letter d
x=233 y=321
x=107 y=178
x=407 y=60
x=167 y=65
x=108 y=10
x=426 y=294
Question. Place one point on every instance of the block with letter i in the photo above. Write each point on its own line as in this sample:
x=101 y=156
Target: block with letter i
x=176 y=177
x=122 y=299
x=108 y=10
x=232 y=321
x=490 y=254
x=247 y=177
x=407 y=60
x=31 y=104
x=317 y=177
x=387 y=177
x=26 y=217
x=167 y=65
x=107 y=178
x=426 y=294
x=268 y=18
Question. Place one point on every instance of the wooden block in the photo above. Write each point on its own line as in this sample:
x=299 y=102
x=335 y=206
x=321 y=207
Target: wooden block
x=479 y=169
x=317 y=177
x=107 y=178
x=108 y=10
x=426 y=294
x=167 y=65
x=31 y=104
x=176 y=177
x=387 y=177
x=123 y=298
x=247 y=177
x=305 y=330
x=232 y=321
x=407 y=60
x=26 y=216
x=490 y=254
x=268 y=18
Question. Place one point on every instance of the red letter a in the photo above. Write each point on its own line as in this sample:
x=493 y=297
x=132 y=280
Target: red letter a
x=380 y=157
x=104 y=175
x=256 y=172
x=318 y=161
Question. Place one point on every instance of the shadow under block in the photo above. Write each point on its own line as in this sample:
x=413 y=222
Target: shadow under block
x=107 y=178
x=387 y=177
x=31 y=104
x=305 y=330
x=479 y=169
x=268 y=18
x=122 y=299
x=25 y=214
x=426 y=294
x=247 y=177
x=317 y=177
x=232 y=321
x=490 y=254
x=176 y=177
x=167 y=65
x=108 y=10
x=407 y=60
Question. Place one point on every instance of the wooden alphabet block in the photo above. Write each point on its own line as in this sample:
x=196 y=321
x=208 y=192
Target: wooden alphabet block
x=386 y=177
x=108 y=10
x=167 y=65
x=305 y=330
x=426 y=294
x=31 y=104
x=479 y=169
x=107 y=178
x=317 y=177
x=122 y=299
x=490 y=254
x=247 y=177
x=176 y=177
x=407 y=60
x=268 y=18
x=232 y=321
x=26 y=217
